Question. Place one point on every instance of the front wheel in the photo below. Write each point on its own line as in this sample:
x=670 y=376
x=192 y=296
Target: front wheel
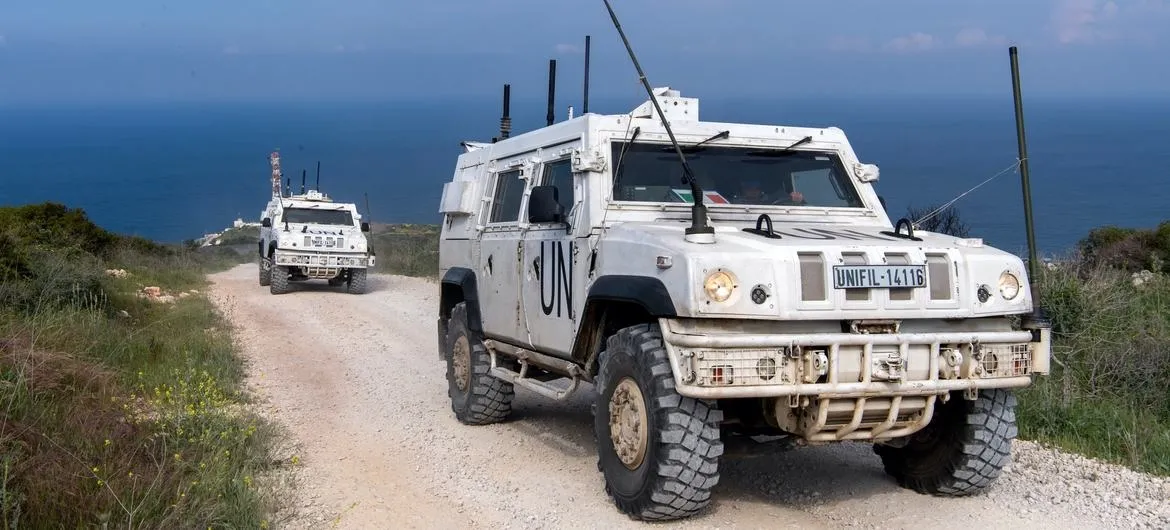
x=265 y=267
x=659 y=451
x=961 y=451
x=280 y=279
x=357 y=281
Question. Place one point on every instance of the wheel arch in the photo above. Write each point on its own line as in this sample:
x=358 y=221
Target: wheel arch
x=615 y=302
x=459 y=285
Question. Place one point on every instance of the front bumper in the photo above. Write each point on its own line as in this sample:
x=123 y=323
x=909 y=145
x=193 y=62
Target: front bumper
x=714 y=360
x=324 y=259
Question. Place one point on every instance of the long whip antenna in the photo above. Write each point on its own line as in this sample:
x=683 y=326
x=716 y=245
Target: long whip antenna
x=699 y=224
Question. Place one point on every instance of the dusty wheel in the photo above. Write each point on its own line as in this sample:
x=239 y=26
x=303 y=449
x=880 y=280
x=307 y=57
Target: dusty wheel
x=265 y=267
x=279 y=281
x=357 y=281
x=963 y=449
x=659 y=451
x=477 y=398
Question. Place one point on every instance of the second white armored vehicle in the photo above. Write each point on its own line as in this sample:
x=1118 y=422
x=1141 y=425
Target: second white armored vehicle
x=309 y=236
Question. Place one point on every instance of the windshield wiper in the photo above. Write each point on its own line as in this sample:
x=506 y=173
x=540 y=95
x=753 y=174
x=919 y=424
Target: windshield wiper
x=617 y=170
x=783 y=151
x=696 y=147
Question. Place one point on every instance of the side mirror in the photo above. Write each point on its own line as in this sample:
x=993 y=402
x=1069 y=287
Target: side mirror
x=543 y=206
x=365 y=226
x=266 y=223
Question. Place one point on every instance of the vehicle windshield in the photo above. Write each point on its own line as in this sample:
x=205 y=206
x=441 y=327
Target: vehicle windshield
x=734 y=175
x=319 y=217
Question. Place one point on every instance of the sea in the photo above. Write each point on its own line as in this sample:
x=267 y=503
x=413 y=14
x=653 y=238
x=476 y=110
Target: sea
x=175 y=171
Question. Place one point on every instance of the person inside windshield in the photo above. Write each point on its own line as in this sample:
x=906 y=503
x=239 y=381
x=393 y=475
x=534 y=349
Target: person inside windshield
x=752 y=193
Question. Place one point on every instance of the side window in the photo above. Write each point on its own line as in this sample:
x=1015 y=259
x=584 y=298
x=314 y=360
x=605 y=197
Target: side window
x=560 y=174
x=506 y=202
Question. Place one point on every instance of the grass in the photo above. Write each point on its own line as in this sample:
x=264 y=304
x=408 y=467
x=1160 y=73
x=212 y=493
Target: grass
x=118 y=410
x=1107 y=396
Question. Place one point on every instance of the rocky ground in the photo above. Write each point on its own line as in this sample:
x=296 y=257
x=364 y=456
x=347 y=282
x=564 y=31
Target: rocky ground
x=357 y=383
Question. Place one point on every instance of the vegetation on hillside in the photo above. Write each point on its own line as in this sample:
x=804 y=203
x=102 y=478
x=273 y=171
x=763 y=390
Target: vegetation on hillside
x=1110 y=306
x=120 y=408
x=406 y=249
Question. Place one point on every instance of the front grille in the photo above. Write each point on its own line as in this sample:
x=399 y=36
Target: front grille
x=814 y=287
x=938 y=276
x=855 y=295
x=812 y=277
x=900 y=294
x=324 y=242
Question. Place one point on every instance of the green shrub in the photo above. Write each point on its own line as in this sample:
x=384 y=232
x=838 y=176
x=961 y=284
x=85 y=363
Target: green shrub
x=119 y=411
x=1129 y=249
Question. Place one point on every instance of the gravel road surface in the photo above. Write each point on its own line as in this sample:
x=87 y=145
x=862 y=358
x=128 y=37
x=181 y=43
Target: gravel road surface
x=358 y=386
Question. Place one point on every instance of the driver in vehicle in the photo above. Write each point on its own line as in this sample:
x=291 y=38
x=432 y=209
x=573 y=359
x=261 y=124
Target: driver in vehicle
x=752 y=193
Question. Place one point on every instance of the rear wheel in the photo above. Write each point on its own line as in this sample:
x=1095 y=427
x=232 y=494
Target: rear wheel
x=477 y=398
x=963 y=449
x=659 y=451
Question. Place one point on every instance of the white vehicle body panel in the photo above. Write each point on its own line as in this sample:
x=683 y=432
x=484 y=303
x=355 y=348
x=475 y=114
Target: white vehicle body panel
x=534 y=292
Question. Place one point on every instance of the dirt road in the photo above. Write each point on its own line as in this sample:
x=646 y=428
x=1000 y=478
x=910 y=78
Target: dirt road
x=358 y=384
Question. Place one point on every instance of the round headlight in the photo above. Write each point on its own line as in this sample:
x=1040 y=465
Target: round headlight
x=719 y=286
x=1009 y=285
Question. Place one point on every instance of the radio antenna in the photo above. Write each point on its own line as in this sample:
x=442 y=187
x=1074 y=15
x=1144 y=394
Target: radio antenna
x=318 y=175
x=585 y=107
x=552 y=88
x=302 y=181
x=699 y=231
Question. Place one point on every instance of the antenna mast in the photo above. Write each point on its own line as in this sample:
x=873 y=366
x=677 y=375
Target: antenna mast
x=552 y=86
x=585 y=107
x=318 y=175
x=699 y=231
x=505 y=118
x=274 y=161
x=302 y=182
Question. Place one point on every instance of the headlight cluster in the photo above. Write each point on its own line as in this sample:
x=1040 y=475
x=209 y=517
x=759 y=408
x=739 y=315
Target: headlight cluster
x=1009 y=286
x=719 y=285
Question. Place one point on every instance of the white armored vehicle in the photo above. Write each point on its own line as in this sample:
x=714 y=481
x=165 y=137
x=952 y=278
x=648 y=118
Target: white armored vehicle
x=785 y=303
x=309 y=236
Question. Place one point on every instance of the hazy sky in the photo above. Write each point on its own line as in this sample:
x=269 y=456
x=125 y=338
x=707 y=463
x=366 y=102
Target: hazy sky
x=81 y=50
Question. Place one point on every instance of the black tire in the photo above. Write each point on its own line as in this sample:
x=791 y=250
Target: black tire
x=477 y=398
x=680 y=466
x=357 y=281
x=265 y=271
x=279 y=280
x=963 y=449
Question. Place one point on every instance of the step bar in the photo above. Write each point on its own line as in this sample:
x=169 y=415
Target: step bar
x=528 y=358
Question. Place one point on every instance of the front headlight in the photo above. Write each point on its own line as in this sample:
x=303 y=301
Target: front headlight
x=719 y=286
x=1009 y=285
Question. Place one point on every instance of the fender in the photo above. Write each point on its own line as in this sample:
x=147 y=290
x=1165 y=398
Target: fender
x=462 y=280
x=647 y=292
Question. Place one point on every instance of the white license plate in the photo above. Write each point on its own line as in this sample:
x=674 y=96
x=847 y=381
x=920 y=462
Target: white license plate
x=878 y=276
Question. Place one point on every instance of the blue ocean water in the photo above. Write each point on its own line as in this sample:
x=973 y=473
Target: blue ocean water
x=175 y=171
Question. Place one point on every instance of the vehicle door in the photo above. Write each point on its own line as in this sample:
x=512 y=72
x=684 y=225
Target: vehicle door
x=498 y=277
x=551 y=266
